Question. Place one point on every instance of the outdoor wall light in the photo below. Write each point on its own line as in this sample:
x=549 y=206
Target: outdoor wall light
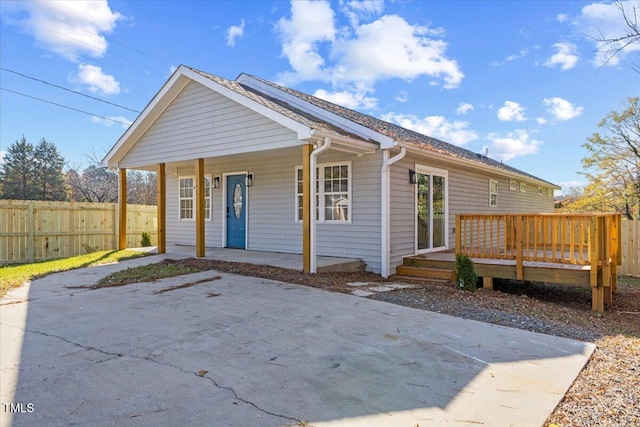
x=413 y=179
x=216 y=182
x=249 y=179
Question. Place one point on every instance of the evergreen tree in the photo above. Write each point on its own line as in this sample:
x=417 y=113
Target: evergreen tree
x=49 y=179
x=18 y=172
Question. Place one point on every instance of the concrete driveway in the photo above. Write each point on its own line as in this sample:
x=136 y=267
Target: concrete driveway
x=242 y=351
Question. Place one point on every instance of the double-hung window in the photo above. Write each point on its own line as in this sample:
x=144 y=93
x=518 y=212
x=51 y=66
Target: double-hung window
x=187 y=197
x=333 y=192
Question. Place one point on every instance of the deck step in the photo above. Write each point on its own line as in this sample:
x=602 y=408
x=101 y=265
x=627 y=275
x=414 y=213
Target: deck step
x=426 y=273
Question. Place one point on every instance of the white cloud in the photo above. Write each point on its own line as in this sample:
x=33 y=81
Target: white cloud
x=562 y=17
x=95 y=80
x=67 y=28
x=541 y=120
x=113 y=120
x=388 y=47
x=234 y=32
x=513 y=144
x=357 y=10
x=562 y=109
x=565 y=56
x=464 y=108
x=599 y=20
x=402 y=96
x=311 y=23
x=521 y=54
x=2 y=156
x=511 y=111
x=349 y=99
x=455 y=132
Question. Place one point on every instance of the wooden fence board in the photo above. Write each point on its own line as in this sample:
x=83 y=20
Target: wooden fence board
x=38 y=230
x=630 y=248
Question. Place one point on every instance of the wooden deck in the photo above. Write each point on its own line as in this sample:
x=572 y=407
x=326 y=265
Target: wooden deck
x=576 y=249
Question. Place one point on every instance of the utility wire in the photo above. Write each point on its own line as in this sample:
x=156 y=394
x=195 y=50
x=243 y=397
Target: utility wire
x=106 y=38
x=68 y=90
x=65 y=106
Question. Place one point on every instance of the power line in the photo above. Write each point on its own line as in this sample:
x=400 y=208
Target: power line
x=65 y=106
x=105 y=37
x=68 y=90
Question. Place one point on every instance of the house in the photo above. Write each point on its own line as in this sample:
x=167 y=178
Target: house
x=235 y=159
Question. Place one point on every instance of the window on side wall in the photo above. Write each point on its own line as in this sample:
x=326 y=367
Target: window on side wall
x=493 y=192
x=187 y=197
x=333 y=192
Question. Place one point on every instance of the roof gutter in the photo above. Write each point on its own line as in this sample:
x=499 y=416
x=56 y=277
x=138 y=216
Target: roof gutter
x=324 y=146
x=385 y=249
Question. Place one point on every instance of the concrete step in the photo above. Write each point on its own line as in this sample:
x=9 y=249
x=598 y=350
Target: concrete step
x=426 y=273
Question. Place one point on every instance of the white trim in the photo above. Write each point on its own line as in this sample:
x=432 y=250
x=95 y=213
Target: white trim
x=321 y=208
x=224 y=209
x=427 y=170
x=385 y=223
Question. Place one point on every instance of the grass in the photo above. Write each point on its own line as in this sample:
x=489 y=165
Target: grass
x=146 y=273
x=12 y=276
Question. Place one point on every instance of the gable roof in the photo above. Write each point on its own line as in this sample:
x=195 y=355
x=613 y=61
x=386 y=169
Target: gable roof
x=309 y=117
x=398 y=134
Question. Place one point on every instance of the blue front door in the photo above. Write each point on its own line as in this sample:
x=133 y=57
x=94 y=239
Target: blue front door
x=236 y=211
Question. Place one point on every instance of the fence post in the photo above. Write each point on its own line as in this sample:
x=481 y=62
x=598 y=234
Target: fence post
x=31 y=224
x=519 y=224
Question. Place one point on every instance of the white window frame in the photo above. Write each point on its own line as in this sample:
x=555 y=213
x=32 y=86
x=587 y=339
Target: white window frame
x=523 y=187
x=493 y=191
x=320 y=194
x=513 y=185
x=207 y=199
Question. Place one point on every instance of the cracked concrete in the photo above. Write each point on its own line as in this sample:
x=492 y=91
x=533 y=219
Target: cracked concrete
x=263 y=353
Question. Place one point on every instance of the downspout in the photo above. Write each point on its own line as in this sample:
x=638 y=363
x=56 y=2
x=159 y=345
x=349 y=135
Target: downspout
x=312 y=226
x=386 y=208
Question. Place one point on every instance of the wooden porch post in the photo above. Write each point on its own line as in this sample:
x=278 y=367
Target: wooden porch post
x=199 y=207
x=306 y=207
x=122 y=209
x=162 y=207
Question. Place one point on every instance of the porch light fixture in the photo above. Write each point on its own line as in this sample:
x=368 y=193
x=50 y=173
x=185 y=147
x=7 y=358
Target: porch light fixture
x=216 y=182
x=413 y=179
x=249 y=179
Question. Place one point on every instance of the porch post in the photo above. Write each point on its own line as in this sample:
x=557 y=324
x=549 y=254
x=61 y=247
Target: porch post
x=306 y=207
x=199 y=207
x=122 y=209
x=162 y=208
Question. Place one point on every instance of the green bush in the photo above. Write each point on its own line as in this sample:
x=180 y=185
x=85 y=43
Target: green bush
x=146 y=239
x=466 y=273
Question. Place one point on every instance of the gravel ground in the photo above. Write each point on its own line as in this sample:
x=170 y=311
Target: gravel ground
x=607 y=391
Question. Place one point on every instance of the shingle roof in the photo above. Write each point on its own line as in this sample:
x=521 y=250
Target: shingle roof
x=388 y=129
x=399 y=133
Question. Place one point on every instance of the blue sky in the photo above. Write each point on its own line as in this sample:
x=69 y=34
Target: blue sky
x=523 y=80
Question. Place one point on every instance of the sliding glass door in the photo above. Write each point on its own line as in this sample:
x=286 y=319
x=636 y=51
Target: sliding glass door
x=431 y=209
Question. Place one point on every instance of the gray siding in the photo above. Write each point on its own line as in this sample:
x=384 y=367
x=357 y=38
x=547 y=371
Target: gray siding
x=203 y=123
x=271 y=206
x=468 y=193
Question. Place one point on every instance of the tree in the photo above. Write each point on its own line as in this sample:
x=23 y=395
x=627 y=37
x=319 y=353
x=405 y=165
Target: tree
x=94 y=184
x=612 y=46
x=48 y=178
x=613 y=165
x=17 y=175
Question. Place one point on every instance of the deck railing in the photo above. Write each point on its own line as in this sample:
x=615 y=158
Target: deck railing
x=583 y=239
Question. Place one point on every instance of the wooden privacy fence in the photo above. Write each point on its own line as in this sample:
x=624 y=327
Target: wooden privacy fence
x=36 y=230
x=630 y=248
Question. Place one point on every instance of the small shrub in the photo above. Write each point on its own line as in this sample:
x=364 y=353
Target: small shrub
x=146 y=239
x=466 y=273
